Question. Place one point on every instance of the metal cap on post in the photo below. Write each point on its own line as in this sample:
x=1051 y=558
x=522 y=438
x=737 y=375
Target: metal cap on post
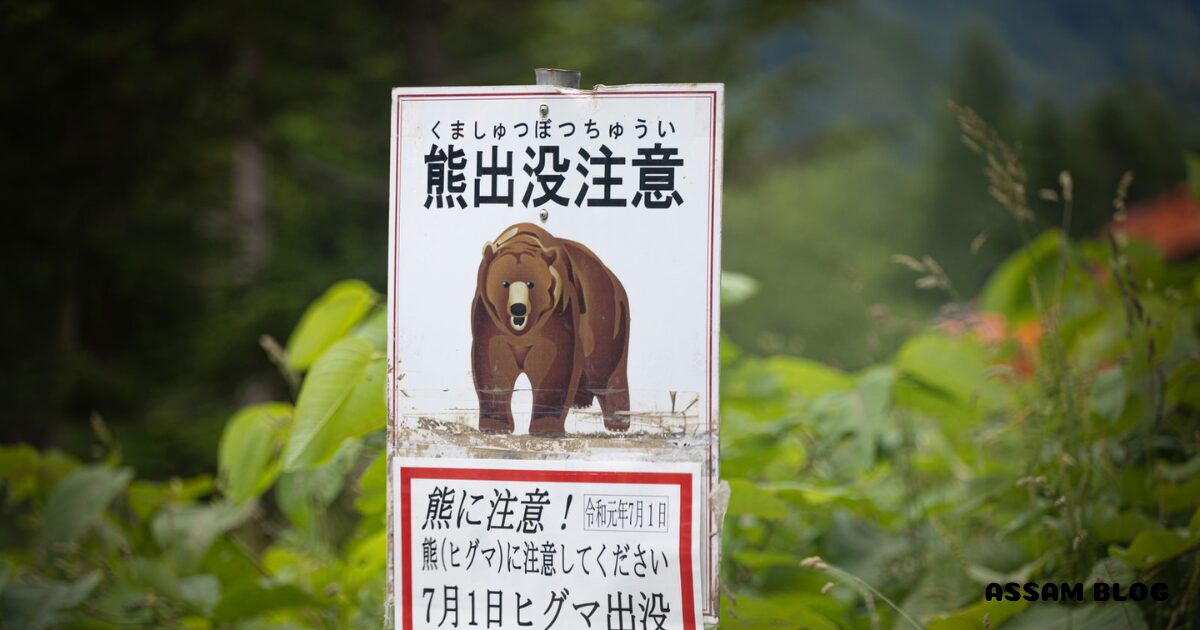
x=557 y=77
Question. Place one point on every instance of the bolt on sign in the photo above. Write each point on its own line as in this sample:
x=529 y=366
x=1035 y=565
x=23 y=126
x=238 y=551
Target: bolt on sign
x=553 y=338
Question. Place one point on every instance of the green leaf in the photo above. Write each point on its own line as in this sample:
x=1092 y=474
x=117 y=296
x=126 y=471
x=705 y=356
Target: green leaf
x=366 y=560
x=186 y=532
x=79 y=500
x=251 y=600
x=736 y=288
x=372 y=488
x=1110 y=616
x=201 y=591
x=303 y=494
x=1008 y=290
x=1108 y=395
x=807 y=377
x=972 y=617
x=1183 y=386
x=786 y=611
x=1109 y=526
x=956 y=366
x=759 y=560
x=374 y=330
x=1110 y=571
x=155 y=575
x=342 y=397
x=328 y=319
x=33 y=605
x=248 y=458
x=1153 y=547
x=147 y=497
x=750 y=499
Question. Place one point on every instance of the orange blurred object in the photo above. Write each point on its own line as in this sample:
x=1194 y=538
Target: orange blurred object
x=1171 y=221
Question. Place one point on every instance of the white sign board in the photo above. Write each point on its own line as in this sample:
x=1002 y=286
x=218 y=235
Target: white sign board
x=554 y=297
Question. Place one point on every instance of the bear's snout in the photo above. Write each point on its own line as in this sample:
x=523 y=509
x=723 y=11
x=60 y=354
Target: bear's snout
x=518 y=305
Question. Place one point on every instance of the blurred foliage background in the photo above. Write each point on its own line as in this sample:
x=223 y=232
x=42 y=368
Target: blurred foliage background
x=184 y=178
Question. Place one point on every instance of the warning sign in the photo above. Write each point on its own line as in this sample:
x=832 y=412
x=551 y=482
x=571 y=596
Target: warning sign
x=554 y=329
x=505 y=544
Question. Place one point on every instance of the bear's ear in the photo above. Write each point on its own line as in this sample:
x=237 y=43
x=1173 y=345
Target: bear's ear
x=489 y=250
x=556 y=292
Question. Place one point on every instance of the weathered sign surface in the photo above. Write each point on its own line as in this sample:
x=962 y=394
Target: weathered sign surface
x=554 y=306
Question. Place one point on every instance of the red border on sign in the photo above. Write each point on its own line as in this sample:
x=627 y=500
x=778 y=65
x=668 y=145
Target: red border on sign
x=711 y=95
x=683 y=480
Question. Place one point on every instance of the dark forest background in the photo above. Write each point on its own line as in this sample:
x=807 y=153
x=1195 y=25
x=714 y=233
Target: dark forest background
x=181 y=178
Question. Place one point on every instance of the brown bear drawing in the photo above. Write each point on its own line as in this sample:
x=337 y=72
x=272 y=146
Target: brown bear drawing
x=547 y=307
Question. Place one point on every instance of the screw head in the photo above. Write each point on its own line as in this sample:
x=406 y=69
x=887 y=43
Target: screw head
x=543 y=110
x=544 y=215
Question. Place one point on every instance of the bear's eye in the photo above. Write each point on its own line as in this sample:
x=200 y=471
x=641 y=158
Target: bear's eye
x=529 y=284
x=504 y=284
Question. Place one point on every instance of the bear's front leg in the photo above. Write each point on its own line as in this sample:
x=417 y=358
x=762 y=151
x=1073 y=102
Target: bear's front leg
x=495 y=371
x=552 y=374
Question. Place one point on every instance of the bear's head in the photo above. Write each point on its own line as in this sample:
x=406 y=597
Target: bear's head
x=521 y=278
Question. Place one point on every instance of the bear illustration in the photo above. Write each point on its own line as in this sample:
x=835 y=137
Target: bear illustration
x=549 y=308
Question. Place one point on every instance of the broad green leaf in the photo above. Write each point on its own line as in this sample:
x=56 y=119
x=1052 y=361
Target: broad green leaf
x=201 y=591
x=342 y=397
x=1008 y=291
x=1183 y=386
x=972 y=617
x=758 y=560
x=303 y=494
x=736 y=288
x=186 y=532
x=951 y=413
x=77 y=502
x=1054 y=616
x=155 y=575
x=1111 y=571
x=807 y=377
x=248 y=458
x=328 y=319
x=1152 y=547
x=956 y=366
x=810 y=494
x=1109 y=526
x=784 y=611
x=1108 y=395
x=366 y=560
x=372 y=488
x=231 y=563
x=374 y=330
x=750 y=499
x=34 y=605
x=147 y=497
x=250 y=600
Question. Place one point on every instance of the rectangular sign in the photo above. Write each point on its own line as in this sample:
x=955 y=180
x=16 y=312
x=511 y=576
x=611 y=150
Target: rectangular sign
x=513 y=544
x=554 y=292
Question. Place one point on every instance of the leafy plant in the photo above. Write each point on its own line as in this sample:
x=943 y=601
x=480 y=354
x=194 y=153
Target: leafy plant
x=290 y=532
x=1046 y=433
